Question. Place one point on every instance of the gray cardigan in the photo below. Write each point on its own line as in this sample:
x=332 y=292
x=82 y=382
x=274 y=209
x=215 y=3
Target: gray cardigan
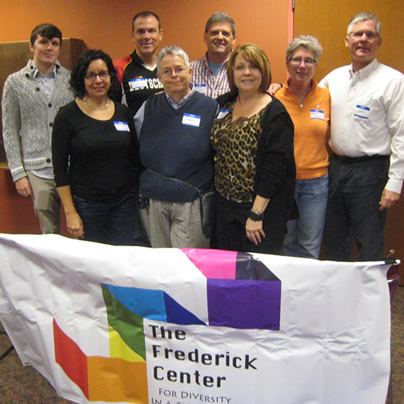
x=28 y=113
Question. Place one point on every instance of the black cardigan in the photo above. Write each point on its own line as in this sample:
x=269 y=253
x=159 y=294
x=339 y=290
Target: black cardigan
x=275 y=176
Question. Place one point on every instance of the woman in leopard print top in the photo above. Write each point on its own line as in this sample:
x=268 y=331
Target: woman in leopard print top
x=254 y=164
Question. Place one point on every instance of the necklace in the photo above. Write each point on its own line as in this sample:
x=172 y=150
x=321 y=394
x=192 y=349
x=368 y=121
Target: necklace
x=94 y=107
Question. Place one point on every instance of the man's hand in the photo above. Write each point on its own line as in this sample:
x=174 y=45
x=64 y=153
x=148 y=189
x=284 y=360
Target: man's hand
x=23 y=187
x=388 y=199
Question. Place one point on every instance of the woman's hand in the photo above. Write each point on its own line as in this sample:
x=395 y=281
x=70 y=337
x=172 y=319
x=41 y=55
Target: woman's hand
x=274 y=87
x=254 y=231
x=73 y=220
x=75 y=225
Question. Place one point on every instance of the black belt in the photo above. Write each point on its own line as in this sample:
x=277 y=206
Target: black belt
x=346 y=159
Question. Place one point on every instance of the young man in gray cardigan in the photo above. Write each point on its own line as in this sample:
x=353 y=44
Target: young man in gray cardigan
x=31 y=98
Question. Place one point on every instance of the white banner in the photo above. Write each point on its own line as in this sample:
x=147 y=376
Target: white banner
x=172 y=326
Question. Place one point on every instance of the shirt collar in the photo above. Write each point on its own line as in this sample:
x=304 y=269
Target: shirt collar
x=35 y=73
x=365 y=71
x=136 y=59
x=207 y=62
x=313 y=85
x=182 y=102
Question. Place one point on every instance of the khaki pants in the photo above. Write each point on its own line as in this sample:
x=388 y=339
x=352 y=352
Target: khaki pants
x=46 y=203
x=174 y=224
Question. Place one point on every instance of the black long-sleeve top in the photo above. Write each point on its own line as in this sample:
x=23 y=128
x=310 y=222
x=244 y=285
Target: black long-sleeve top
x=98 y=159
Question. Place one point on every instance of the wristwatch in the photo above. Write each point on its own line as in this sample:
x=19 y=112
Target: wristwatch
x=256 y=217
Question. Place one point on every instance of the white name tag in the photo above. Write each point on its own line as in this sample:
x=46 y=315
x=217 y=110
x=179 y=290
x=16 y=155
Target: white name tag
x=121 y=126
x=222 y=113
x=191 y=120
x=317 y=114
x=139 y=82
x=201 y=88
x=361 y=112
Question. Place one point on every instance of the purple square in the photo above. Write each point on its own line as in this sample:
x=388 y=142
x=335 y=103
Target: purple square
x=244 y=303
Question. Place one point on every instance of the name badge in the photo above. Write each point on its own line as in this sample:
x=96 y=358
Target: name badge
x=317 y=114
x=201 y=88
x=222 y=113
x=191 y=120
x=361 y=112
x=121 y=126
x=138 y=82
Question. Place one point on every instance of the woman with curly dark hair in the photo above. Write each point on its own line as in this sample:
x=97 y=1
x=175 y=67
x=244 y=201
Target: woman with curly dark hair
x=95 y=155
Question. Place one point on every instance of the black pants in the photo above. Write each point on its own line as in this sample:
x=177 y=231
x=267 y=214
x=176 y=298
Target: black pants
x=355 y=189
x=230 y=231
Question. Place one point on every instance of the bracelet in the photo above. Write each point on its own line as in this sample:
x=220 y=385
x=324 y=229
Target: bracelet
x=255 y=217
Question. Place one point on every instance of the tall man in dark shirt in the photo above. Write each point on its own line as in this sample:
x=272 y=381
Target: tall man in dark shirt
x=137 y=74
x=138 y=71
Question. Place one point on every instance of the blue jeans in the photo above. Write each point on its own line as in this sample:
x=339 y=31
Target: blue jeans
x=304 y=235
x=111 y=221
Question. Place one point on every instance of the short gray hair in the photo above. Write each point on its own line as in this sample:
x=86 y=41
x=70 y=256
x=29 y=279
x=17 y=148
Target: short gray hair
x=305 y=41
x=364 y=17
x=220 y=16
x=172 y=50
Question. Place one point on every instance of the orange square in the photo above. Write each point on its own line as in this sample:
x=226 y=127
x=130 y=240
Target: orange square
x=114 y=379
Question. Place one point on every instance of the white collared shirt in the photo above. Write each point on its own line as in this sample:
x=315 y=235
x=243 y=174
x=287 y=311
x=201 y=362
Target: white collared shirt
x=367 y=115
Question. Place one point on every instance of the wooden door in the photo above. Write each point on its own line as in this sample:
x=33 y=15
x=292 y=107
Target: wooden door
x=327 y=20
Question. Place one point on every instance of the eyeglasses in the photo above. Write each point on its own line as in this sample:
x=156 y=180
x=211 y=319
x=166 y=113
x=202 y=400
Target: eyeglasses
x=298 y=61
x=177 y=70
x=103 y=75
x=359 y=34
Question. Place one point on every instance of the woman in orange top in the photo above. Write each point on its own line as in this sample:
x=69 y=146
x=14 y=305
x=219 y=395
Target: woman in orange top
x=309 y=108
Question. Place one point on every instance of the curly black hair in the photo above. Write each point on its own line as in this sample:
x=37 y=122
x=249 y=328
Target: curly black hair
x=79 y=70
